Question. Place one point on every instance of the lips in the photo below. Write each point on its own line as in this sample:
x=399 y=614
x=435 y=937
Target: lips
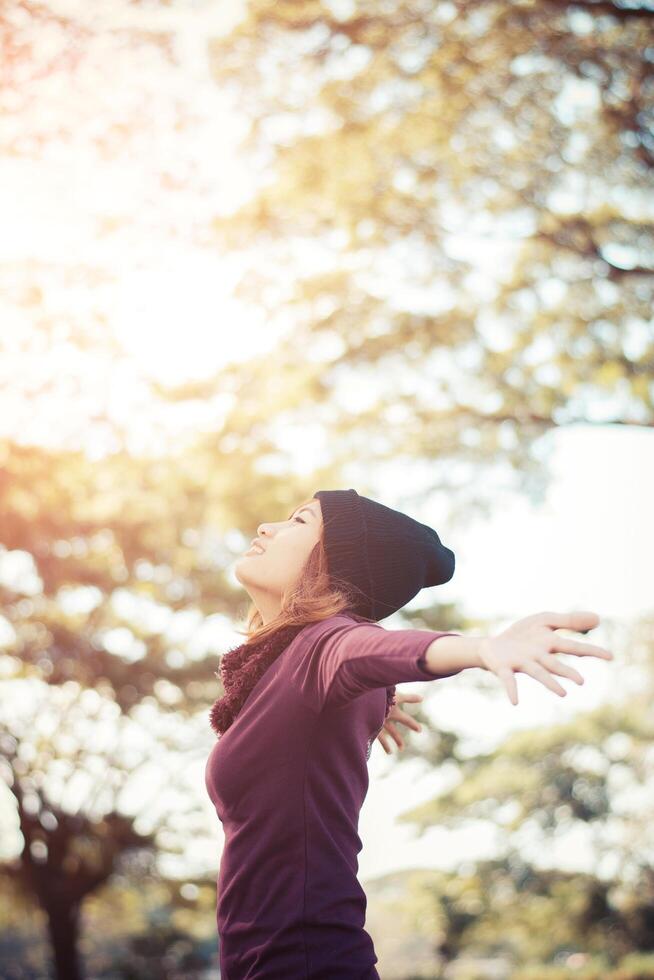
x=256 y=544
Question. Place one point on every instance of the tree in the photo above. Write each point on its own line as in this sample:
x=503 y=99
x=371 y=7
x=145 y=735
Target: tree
x=385 y=129
x=96 y=694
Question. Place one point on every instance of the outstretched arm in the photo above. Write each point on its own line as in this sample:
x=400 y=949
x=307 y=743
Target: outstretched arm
x=453 y=654
x=527 y=646
x=351 y=658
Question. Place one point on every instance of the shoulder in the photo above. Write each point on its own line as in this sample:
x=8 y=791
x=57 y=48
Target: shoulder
x=326 y=626
x=314 y=636
x=339 y=621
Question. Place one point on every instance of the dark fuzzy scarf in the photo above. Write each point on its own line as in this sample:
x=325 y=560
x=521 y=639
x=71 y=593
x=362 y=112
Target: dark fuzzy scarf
x=243 y=665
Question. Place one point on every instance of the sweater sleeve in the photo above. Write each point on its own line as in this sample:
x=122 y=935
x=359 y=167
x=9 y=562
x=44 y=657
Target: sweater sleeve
x=356 y=657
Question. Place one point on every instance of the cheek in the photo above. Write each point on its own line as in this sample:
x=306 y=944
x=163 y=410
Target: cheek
x=287 y=557
x=291 y=559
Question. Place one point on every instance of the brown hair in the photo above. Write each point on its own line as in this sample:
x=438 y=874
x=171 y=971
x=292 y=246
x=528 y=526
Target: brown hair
x=312 y=598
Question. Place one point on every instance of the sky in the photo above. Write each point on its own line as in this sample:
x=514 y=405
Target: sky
x=84 y=222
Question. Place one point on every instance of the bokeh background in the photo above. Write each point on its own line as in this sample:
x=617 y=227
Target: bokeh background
x=253 y=249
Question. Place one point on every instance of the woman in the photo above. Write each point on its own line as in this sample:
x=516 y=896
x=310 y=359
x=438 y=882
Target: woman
x=305 y=697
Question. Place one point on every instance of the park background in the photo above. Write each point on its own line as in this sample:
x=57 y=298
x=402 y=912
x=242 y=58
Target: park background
x=251 y=250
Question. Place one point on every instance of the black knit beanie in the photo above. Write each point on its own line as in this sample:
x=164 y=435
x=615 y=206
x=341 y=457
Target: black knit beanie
x=383 y=557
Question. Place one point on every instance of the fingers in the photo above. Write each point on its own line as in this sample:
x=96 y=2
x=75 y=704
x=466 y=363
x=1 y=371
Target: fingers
x=580 y=620
x=397 y=738
x=382 y=738
x=396 y=735
x=403 y=716
x=564 y=644
x=543 y=665
x=399 y=716
x=507 y=677
x=555 y=666
x=407 y=720
x=539 y=673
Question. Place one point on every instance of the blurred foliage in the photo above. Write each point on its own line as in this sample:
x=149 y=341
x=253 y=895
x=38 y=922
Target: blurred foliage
x=135 y=926
x=472 y=923
x=388 y=127
x=378 y=133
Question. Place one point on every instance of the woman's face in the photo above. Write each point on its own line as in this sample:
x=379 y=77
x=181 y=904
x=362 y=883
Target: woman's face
x=266 y=574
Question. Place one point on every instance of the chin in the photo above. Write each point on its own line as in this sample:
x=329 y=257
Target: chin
x=239 y=566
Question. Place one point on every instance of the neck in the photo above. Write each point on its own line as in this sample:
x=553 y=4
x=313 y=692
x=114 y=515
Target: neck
x=268 y=605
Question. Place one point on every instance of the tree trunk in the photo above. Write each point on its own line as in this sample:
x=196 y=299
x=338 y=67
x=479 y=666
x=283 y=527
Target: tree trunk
x=63 y=924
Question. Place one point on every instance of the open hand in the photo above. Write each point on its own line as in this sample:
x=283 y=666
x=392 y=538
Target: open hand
x=396 y=714
x=529 y=646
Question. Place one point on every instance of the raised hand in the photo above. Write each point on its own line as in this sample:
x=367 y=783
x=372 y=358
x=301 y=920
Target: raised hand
x=530 y=644
x=396 y=714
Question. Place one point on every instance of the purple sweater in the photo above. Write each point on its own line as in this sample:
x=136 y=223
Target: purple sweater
x=288 y=779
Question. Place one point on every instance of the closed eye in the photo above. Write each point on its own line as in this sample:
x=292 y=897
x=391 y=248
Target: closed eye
x=300 y=520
